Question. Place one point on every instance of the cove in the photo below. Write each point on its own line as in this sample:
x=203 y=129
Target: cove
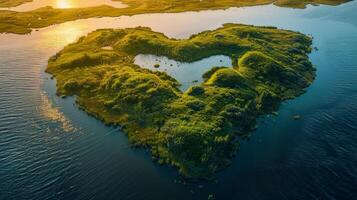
x=187 y=74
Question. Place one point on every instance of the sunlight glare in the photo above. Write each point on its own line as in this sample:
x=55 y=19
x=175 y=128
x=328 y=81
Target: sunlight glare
x=63 y=34
x=64 y=4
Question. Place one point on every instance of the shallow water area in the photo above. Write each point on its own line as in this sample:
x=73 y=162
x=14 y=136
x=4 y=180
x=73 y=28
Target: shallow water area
x=63 y=4
x=49 y=149
x=187 y=74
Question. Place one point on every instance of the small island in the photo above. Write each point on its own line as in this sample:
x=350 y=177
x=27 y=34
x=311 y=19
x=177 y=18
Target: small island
x=198 y=130
x=25 y=22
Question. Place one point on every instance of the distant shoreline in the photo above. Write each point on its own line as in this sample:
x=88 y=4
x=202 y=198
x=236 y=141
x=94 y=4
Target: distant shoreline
x=24 y=22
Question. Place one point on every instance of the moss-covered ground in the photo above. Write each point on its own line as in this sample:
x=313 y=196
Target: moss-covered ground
x=197 y=130
x=24 y=22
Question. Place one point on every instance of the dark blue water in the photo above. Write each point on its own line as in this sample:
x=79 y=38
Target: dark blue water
x=51 y=150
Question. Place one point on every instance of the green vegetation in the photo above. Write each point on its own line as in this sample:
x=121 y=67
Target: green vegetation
x=303 y=3
x=198 y=130
x=210 y=197
x=12 y=3
x=24 y=22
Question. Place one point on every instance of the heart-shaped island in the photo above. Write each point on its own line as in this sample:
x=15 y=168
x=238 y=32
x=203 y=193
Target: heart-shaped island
x=197 y=130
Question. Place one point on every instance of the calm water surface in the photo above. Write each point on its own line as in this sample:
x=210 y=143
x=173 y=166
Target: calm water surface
x=51 y=150
x=187 y=74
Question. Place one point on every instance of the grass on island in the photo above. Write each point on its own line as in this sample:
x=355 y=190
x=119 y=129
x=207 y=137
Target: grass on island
x=24 y=22
x=197 y=130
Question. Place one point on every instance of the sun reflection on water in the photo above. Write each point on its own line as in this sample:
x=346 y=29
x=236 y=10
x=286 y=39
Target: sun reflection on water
x=63 y=34
x=64 y=4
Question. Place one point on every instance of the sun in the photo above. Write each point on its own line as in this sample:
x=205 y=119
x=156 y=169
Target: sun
x=63 y=4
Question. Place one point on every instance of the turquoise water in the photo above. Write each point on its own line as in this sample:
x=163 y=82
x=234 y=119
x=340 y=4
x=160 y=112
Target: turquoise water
x=51 y=150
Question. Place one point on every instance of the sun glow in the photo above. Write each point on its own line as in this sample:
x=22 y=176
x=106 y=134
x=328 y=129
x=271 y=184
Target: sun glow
x=63 y=34
x=64 y=4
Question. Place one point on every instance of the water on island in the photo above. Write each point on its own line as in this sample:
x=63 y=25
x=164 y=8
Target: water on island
x=51 y=150
x=35 y=4
x=187 y=74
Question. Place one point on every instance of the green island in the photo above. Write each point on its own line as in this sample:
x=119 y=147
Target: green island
x=24 y=22
x=198 y=130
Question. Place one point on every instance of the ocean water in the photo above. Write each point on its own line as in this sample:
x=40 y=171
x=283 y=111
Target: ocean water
x=51 y=150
